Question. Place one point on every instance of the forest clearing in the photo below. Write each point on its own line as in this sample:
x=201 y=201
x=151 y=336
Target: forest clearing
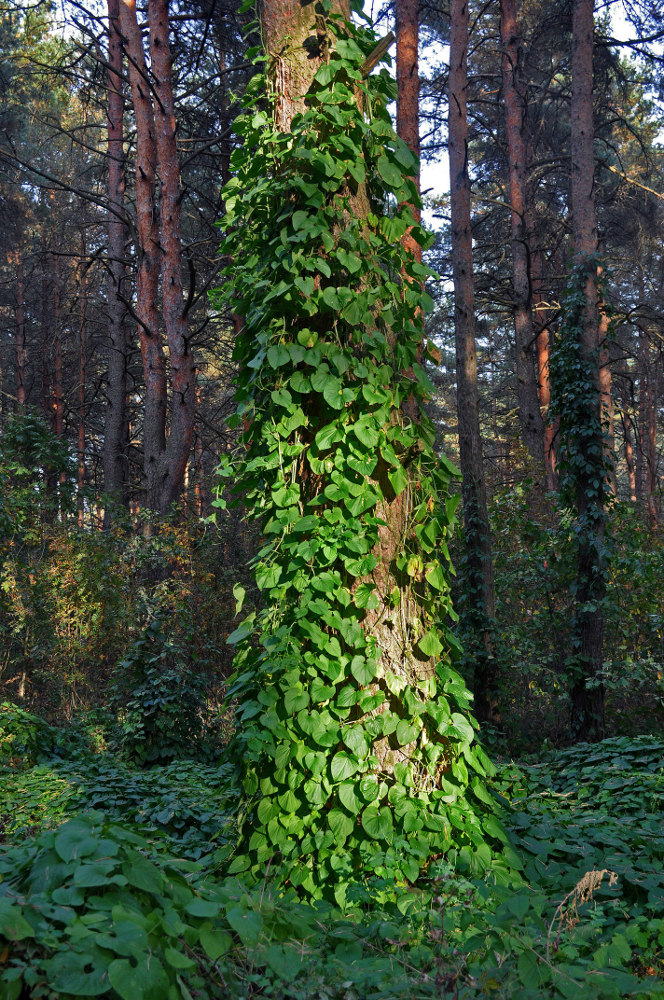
x=332 y=660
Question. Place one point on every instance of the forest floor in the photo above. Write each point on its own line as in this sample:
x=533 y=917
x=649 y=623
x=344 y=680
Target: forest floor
x=111 y=886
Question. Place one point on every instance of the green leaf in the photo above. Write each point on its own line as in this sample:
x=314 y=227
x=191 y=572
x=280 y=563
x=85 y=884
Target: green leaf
x=215 y=943
x=13 y=925
x=407 y=732
x=342 y=766
x=389 y=173
x=356 y=741
x=341 y=824
x=398 y=480
x=277 y=356
x=430 y=644
x=144 y=981
x=333 y=392
x=247 y=924
x=378 y=823
x=349 y=798
x=363 y=670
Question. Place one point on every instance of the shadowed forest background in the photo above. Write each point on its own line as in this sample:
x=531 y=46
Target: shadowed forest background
x=236 y=424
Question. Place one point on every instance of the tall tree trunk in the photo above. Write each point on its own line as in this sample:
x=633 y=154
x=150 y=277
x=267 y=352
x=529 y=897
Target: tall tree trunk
x=544 y=372
x=58 y=386
x=82 y=348
x=651 y=439
x=587 y=702
x=629 y=453
x=408 y=94
x=515 y=105
x=476 y=521
x=21 y=348
x=147 y=281
x=116 y=444
x=46 y=316
x=176 y=456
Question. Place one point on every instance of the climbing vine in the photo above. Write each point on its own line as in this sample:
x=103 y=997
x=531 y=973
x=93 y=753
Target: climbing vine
x=354 y=741
x=584 y=466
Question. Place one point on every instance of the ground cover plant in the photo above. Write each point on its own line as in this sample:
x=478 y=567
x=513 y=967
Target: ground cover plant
x=130 y=900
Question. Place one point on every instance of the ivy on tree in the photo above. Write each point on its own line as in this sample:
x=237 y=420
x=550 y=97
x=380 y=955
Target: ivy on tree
x=352 y=762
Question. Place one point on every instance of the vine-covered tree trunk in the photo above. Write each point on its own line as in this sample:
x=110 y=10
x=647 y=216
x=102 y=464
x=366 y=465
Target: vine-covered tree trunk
x=479 y=563
x=587 y=689
x=514 y=100
x=116 y=430
x=82 y=350
x=352 y=722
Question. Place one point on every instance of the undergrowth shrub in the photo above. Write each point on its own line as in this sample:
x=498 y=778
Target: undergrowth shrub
x=535 y=600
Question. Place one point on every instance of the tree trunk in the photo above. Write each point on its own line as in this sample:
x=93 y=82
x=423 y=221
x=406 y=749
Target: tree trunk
x=82 y=348
x=115 y=456
x=408 y=94
x=514 y=98
x=478 y=538
x=629 y=454
x=544 y=374
x=21 y=349
x=651 y=439
x=587 y=702
x=176 y=456
x=147 y=281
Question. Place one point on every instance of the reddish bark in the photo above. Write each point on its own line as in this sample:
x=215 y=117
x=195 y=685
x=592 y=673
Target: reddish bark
x=629 y=454
x=478 y=539
x=515 y=104
x=544 y=376
x=176 y=456
x=115 y=457
x=408 y=95
x=147 y=281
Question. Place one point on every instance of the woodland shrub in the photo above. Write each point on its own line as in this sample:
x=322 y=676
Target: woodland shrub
x=535 y=581
x=74 y=601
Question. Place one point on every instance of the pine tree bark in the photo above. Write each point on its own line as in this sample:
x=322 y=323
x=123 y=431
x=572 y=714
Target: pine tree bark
x=182 y=373
x=515 y=105
x=587 y=701
x=147 y=280
x=544 y=376
x=476 y=521
x=408 y=94
x=116 y=443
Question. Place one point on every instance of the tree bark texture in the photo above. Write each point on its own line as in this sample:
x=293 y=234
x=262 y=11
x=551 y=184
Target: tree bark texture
x=515 y=105
x=147 y=280
x=182 y=372
x=587 y=702
x=408 y=94
x=544 y=374
x=478 y=539
x=160 y=249
x=115 y=456
x=82 y=349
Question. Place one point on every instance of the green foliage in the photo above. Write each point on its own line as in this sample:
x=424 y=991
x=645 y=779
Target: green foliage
x=99 y=907
x=161 y=699
x=358 y=757
x=535 y=562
